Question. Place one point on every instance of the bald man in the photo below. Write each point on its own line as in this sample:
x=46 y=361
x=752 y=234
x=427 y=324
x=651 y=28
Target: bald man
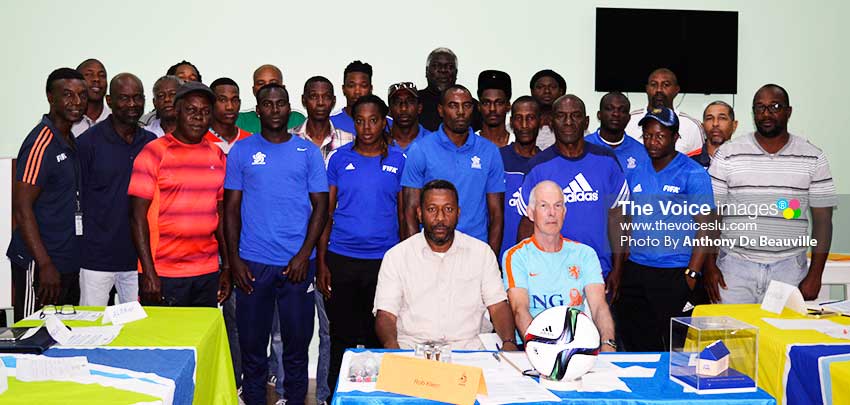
x=548 y=270
x=662 y=87
x=108 y=257
x=248 y=119
x=96 y=111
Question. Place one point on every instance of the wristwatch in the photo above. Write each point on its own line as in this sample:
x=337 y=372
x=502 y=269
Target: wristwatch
x=692 y=274
x=610 y=342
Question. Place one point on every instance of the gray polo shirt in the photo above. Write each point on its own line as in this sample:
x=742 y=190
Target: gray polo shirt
x=753 y=187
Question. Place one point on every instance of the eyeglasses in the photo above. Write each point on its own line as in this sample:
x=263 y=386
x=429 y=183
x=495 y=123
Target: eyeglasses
x=772 y=108
x=53 y=310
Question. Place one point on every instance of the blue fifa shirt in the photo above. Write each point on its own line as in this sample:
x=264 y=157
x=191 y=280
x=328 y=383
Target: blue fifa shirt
x=682 y=183
x=106 y=163
x=365 y=221
x=592 y=183
x=515 y=168
x=275 y=180
x=475 y=169
x=551 y=278
x=630 y=154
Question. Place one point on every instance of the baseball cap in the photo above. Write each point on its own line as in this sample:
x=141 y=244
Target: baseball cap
x=494 y=79
x=194 y=87
x=408 y=86
x=664 y=116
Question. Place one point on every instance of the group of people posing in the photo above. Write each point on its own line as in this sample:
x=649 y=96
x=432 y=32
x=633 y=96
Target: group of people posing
x=433 y=216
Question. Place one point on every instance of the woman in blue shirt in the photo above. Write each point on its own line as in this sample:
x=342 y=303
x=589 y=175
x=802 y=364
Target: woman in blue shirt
x=364 y=182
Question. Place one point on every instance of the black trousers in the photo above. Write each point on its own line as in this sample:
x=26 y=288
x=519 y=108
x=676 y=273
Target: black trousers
x=195 y=291
x=349 y=309
x=648 y=298
x=25 y=284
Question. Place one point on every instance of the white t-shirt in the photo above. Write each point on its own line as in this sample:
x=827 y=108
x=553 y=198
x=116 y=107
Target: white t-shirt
x=82 y=125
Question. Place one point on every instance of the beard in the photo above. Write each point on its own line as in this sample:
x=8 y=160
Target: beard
x=431 y=236
x=773 y=133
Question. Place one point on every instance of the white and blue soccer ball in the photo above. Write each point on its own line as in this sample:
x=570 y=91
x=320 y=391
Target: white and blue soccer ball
x=562 y=343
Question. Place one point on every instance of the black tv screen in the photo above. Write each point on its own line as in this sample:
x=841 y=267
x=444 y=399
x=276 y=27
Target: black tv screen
x=701 y=47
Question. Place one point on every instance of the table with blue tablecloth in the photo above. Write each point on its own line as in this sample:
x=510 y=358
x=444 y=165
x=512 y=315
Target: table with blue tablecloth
x=656 y=390
x=174 y=356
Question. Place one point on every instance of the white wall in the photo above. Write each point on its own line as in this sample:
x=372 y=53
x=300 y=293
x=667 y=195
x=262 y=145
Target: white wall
x=799 y=44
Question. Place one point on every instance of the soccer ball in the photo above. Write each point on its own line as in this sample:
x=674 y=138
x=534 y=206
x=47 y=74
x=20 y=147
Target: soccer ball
x=562 y=343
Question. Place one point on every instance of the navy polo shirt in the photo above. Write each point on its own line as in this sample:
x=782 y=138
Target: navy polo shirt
x=106 y=163
x=516 y=167
x=48 y=161
x=475 y=168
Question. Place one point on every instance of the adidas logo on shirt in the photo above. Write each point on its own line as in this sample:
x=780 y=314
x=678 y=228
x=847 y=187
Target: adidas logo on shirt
x=516 y=202
x=637 y=189
x=350 y=166
x=579 y=190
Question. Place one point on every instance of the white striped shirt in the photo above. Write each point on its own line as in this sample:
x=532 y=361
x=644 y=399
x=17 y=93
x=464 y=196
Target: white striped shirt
x=745 y=178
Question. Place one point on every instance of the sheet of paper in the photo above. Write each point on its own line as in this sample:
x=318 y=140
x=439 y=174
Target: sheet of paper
x=840 y=306
x=491 y=341
x=57 y=330
x=630 y=357
x=41 y=368
x=519 y=360
x=93 y=335
x=89 y=316
x=124 y=313
x=780 y=295
x=483 y=360
x=801 y=324
x=505 y=385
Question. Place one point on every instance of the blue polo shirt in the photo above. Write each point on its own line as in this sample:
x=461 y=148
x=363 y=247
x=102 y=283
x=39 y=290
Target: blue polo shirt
x=515 y=168
x=106 y=163
x=365 y=221
x=475 y=168
x=422 y=133
x=46 y=160
x=682 y=181
x=593 y=183
x=275 y=180
x=631 y=154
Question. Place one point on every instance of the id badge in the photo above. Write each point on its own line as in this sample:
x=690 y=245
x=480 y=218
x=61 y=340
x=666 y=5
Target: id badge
x=78 y=223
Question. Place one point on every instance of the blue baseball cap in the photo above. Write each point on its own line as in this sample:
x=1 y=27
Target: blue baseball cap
x=664 y=116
